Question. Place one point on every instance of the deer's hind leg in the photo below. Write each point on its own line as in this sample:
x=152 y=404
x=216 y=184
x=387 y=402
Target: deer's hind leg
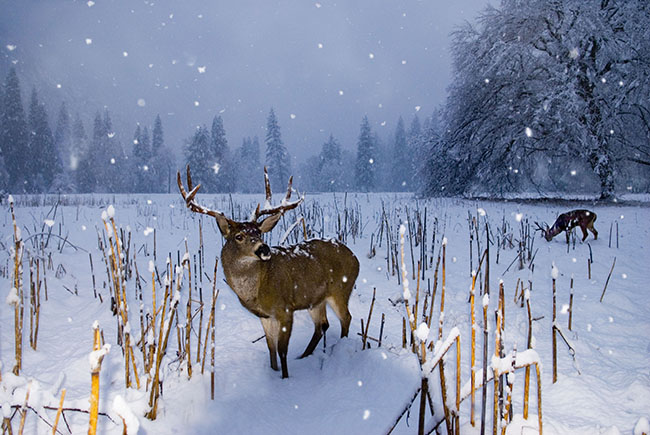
x=319 y=316
x=339 y=304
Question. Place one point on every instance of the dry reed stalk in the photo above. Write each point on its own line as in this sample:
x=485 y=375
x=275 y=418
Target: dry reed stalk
x=607 y=282
x=97 y=356
x=17 y=285
x=554 y=335
x=473 y=352
x=23 y=411
x=539 y=398
x=441 y=370
x=122 y=305
x=571 y=303
x=58 y=412
x=188 y=316
x=38 y=302
x=528 y=346
x=497 y=347
x=215 y=293
x=589 y=268
x=162 y=347
x=364 y=332
x=212 y=337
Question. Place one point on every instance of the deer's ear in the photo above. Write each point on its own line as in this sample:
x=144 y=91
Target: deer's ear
x=225 y=225
x=269 y=223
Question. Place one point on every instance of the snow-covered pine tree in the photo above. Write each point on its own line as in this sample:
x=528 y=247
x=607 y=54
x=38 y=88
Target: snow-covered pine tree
x=277 y=157
x=330 y=170
x=162 y=160
x=140 y=161
x=45 y=163
x=199 y=156
x=400 y=167
x=223 y=165
x=365 y=161
x=14 y=137
x=249 y=168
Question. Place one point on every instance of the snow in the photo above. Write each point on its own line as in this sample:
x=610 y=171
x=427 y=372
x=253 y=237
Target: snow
x=341 y=389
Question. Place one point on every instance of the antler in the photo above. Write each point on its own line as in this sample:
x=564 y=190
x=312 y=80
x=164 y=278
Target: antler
x=285 y=205
x=189 y=197
x=541 y=228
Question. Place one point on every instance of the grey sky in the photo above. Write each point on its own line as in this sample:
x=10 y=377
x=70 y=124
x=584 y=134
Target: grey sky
x=321 y=65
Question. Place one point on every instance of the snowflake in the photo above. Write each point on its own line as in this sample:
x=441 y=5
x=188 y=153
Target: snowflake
x=201 y=69
x=11 y=47
x=141 y=102
x=529 y=132
x=89 y=41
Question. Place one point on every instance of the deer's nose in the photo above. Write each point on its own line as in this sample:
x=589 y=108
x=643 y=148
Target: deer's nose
x=263 y=252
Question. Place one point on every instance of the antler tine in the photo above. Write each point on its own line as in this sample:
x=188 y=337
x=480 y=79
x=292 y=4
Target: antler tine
x=189 y=197
x=284 y=206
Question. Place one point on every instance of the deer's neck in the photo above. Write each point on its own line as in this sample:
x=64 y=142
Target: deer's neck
x=243 y=275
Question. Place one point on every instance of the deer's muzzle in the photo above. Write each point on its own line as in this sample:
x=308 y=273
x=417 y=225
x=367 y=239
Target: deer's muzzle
x=263 y=252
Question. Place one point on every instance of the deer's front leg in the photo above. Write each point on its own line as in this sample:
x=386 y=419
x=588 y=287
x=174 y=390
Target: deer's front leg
x=271 y=329
x=283 y=342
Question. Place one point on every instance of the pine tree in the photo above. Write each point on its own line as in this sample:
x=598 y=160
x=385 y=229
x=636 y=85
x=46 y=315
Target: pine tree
x=401 y=171
x=162 y=160
x=197 y=155
x=14 y=137
x=330 y=167
x=63 y=136
x=114 y=180
x=45 y=163
x=140 y=161
x=365 y=162
x=249 y=168
x=221 y=154
x=277 y=157
x=77 y=152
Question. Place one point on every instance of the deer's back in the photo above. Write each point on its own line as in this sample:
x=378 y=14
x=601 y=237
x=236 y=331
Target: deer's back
x=305 y=274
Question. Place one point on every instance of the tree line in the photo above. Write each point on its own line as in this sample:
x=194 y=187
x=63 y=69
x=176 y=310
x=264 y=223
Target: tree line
x=36 y=158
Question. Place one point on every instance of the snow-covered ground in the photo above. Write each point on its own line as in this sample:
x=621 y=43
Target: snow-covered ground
x=341 y=389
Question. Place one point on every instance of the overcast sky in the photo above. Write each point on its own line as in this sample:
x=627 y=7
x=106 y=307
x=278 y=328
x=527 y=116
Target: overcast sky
x=321 y=65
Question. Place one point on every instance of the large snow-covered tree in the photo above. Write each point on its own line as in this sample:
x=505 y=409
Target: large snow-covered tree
x=14 y=137
x=539 y=94
x=277 y=157
x=364 y=169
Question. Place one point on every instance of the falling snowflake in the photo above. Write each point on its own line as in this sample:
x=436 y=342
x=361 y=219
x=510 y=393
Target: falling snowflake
x=111 y=135
x=371 y=55
x=196 y=104
x=141 y=102
x=145 y=168
x=487 y=81
x=58 y=85
x=529 y=132
x=318 y=5
x=216 y=168
x=125 y=53
x=292 y=116
x=417 y=108
x=371 y=161
x=89 y=41
x=90 y=3
x=573 y=53
x=11 y=47
x=112 y=161
x=201 y=69
x=320 y=45
x=340 y=92
x=403 y=62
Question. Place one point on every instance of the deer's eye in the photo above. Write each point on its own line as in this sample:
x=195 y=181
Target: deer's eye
x=239 y=237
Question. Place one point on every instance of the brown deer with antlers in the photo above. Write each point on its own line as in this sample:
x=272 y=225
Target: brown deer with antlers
x=567 y=221
x=272 y=283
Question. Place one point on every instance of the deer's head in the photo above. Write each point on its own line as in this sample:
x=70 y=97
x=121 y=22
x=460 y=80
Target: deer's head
x=243 y=239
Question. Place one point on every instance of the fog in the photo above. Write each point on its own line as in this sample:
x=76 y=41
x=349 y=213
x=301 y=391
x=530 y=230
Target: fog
x=322 y=65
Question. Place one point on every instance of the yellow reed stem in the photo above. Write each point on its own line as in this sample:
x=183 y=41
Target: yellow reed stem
x=58 y=412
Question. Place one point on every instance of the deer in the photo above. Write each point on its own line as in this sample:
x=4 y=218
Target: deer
x=567 y=221
x=273 y=282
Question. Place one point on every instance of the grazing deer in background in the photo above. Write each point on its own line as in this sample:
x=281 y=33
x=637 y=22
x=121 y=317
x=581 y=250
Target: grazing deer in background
x=272 y=283
x=567 y=221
